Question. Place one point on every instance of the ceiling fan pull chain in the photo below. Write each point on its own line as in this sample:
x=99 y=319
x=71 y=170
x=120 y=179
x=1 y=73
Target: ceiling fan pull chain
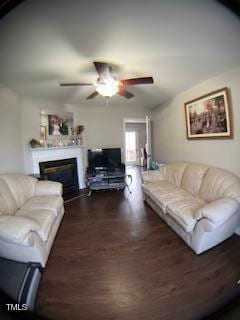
x=107 y=102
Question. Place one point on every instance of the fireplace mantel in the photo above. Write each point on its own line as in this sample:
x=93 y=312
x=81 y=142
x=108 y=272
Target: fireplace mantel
x=58 y=153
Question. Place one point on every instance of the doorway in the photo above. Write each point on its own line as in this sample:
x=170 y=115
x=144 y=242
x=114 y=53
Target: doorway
x=135 y=140
x=132 y=147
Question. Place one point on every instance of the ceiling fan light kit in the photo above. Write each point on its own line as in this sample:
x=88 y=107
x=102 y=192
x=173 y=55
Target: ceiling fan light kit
x=107 y=88
x=107 y=85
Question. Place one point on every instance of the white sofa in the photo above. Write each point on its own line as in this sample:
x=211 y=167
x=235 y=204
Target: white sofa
x=201 y=203
x=30 y=215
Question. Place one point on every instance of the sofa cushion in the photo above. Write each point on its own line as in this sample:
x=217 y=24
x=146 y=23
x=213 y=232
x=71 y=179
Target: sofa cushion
x=165 y=196
x=159 y=185
x=8 y=204
x=21 y=186
x=183 y=211
x=44 y=218
x=52 y=203
x=174 y=172
x=153 y=176
x=219 y=183
x=192 y=178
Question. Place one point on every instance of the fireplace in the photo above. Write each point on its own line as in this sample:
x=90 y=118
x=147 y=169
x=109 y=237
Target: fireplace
x=64 y=171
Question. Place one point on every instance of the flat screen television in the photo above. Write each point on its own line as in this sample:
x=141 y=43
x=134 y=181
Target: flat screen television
x=104 y=158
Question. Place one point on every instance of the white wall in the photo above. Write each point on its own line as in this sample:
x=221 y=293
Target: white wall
x=11 y=155
x=169 y=131
x=103 y=125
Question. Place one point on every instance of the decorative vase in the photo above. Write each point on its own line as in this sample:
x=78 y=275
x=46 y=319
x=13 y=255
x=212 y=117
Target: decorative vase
x=79 y=139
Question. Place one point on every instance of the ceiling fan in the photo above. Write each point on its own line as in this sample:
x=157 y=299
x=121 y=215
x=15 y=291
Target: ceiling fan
x=108 y=85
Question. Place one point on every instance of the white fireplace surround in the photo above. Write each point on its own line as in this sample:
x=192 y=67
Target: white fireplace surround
x=59 y=153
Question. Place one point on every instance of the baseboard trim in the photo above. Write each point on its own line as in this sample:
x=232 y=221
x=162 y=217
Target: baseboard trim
x=237 y=231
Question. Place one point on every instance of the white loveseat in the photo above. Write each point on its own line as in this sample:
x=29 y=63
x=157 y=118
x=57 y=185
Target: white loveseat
x=201 y=203
x=30 y=215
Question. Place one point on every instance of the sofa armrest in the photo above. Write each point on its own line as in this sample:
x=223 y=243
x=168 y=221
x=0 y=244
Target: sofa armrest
x=219 y=211
x=48 y=188
x=17 y=229
x=152 y=176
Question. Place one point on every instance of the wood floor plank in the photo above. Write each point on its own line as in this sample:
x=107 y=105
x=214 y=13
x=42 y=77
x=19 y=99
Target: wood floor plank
x=114 y=258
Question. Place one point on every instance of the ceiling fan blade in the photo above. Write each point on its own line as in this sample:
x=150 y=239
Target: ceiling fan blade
x=75 y=84
x=125 y=93
x=103 y=69
x=92 y=95
x=134 y=81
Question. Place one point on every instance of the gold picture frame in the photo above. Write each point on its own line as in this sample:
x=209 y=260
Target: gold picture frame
x=43 y=132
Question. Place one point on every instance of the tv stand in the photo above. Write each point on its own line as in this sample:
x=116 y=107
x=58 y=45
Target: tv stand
x=107 y=179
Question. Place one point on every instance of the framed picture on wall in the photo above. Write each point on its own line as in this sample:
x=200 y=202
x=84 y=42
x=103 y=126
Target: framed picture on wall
x=56 y=124
x=43 y=132
x=209 y=116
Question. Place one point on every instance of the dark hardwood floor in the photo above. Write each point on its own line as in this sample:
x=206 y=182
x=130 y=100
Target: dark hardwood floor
x=114 y=258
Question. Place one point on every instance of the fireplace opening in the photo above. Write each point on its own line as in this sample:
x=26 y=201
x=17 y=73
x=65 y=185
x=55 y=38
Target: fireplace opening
x=64 y=171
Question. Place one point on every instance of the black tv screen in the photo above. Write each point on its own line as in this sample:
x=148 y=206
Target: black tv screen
x=104 y=158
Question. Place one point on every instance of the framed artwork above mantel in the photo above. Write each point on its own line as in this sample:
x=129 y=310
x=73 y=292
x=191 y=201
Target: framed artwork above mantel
x=209 y=116
x=56 y=125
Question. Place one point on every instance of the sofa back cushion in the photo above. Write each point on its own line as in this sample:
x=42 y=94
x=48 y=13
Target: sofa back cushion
x=8 y=204
x=22 y=187
x=174 y=172
x=218 y=183
x=192 y=178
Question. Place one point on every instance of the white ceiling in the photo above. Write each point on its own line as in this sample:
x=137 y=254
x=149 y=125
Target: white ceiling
x=179 y=42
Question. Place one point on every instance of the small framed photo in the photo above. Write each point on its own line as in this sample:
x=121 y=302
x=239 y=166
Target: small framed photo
x=209 y=116
x=43 y=132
